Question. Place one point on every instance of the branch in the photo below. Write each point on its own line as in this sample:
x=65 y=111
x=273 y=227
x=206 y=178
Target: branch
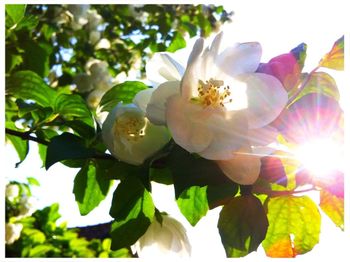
x=26 y=136
x=281 y=193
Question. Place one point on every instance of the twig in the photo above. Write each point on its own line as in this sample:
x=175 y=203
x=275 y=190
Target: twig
x=26 y=136
x=301 y=88
x=272 y=193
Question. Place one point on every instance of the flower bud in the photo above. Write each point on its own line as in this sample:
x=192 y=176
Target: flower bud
x=167 y=239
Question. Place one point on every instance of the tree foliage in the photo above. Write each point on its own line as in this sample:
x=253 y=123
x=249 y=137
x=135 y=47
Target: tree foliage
x=65 y=65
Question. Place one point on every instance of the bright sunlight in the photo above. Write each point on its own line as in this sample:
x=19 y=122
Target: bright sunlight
x=320 y=156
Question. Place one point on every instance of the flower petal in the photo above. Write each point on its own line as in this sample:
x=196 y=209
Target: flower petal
x=243 y=168
x=240 y=59
x=162 y=67
x=230 y=134
x=155 y=110
x=212 y=134
x=179 y=121
x=285 y=68
x=266 y=98
x=262 y=136
x=191 y=75
x=142 y=98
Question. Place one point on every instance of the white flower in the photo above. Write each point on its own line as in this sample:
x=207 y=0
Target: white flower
x=222 y=107
x=94 y=19
x=103 y=44
x=12 y=191
x=83 y=82
x=130 y=136
x=79 y=13
x=12 y=232
x=94 y=98
x=26 y=207
x=166 y=240
x=94 y=36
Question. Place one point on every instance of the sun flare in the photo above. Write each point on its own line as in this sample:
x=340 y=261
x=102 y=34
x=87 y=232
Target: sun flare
x=320 y=156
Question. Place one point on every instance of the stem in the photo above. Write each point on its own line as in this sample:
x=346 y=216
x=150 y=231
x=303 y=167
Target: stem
x=283 y=193
x=26 y=136
x=301 y=88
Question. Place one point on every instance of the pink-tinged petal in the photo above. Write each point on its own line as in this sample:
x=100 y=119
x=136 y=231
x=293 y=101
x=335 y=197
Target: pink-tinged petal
x=162 y=67
x=262 y=136
x=240 y=59
x=243 y=168
x=313 y=115
x=179 y=122
x=230 y=134
x=212 y=134
x=285 y=68
x=266 y=98
x=155 y=111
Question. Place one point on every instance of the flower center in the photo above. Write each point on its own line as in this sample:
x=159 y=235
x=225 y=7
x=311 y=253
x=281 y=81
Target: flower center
x=213 y=93
x=132 y=128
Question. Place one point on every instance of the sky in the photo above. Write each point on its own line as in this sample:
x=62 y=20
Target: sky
x=279 y=26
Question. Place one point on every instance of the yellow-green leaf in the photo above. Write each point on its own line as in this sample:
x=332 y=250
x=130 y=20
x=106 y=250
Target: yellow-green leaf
x=321 y=83
x=333 y=206
x=294 y=226
x=193 y=203
x=335 y=58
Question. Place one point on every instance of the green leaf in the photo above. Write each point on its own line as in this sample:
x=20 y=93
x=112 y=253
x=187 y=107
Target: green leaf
x=333 y=206
x=189 y=170
x=90 y=187
x=28 y=85
x=321 y=83
x=242 y=225
x=45 y=134
x=161 y=175
x=16 y=12
x=21 y=146
x=71 y=106
x=335 y=58
x=34 y=236
x=67 y=146
x=177 y=42
x=12 y=60
x=133 y=210
x=193 y=203
x=32 y=181
x=124 y=92
x=40 y=250
x=47 y=215
x=36 y=57
x=294 y=226
x=28 y=22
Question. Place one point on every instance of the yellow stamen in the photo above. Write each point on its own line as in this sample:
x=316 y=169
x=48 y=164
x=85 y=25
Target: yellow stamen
x=131 y=127
x=212 y=93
